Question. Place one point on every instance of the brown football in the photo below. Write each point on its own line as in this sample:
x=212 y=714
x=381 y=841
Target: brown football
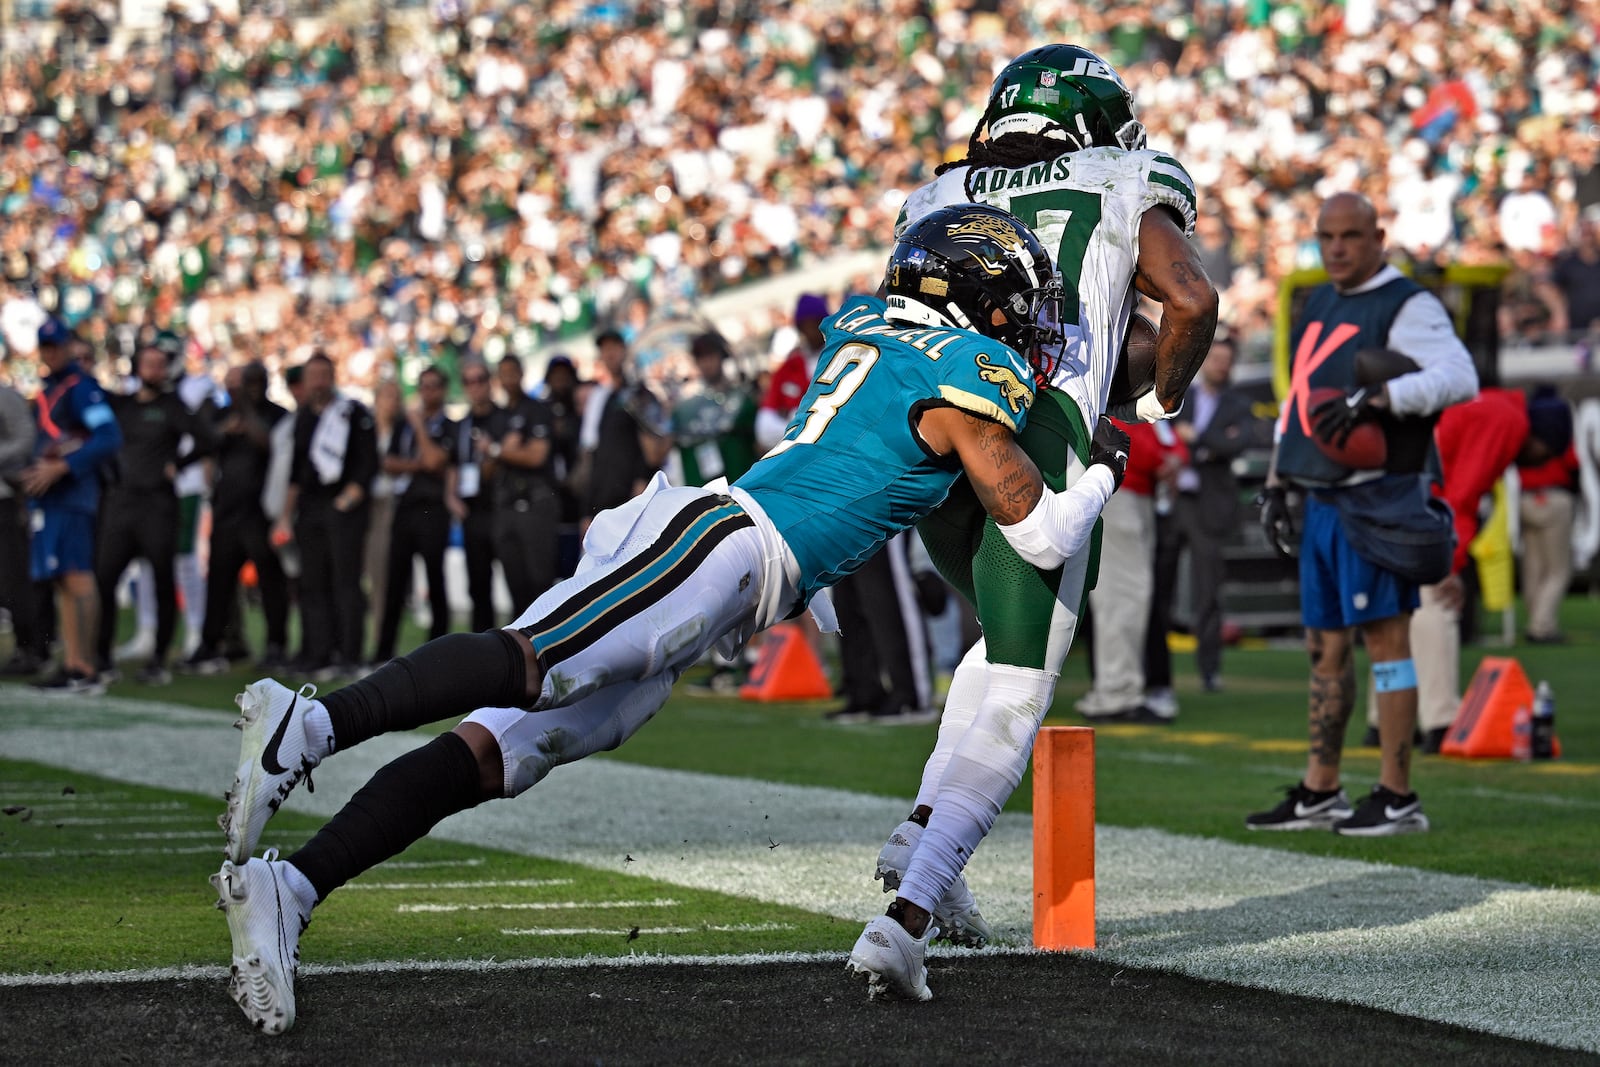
x=1135 y=374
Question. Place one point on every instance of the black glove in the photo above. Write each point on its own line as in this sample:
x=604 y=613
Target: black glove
x=1110 y=446
x=1277 y=522
x=1335 y=418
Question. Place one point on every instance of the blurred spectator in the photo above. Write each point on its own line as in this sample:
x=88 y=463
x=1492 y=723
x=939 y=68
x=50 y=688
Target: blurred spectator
x=625 y=436
x=335 y=460
x=139 y=516
x=16 y=591
x=561 y=393
x=527 y=511
x=388 y=415
x=201 y=394
x=1217 y=425
x=240 y=529
x=883 y=649
x=1120 y=602
x=1549 y=472
x=793 y=376
x=474 y=434
x=1476 y=442
x=714 y=424
x=78 y=435
x=422 y=460
x=1576 y=276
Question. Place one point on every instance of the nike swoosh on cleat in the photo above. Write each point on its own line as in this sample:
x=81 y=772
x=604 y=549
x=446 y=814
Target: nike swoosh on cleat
x=1394 y=816
x=269 y=755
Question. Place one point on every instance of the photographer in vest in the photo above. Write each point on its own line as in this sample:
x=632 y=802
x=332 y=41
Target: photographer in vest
x=1373 y=533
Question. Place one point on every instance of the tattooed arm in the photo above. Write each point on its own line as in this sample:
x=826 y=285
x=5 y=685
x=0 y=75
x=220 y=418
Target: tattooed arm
x=1169 y=272
x=1044 y=527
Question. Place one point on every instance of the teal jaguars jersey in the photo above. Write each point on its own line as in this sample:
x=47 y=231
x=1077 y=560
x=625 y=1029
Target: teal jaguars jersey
x=851 y=471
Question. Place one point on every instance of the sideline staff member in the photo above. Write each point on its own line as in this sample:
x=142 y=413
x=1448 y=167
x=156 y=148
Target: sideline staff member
x=1351 y=574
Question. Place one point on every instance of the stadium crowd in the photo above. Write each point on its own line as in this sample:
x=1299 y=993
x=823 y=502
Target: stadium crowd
x=499 y=176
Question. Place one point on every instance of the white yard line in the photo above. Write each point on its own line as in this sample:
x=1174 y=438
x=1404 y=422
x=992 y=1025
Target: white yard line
x=537 y=905
x=504 y=883
x=1495 y=956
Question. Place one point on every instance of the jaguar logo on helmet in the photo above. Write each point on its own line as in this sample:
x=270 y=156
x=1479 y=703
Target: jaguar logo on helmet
x=987 y=229
x=1012 y=389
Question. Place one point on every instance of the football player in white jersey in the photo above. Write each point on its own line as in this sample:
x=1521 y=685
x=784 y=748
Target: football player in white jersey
x=1060 y=148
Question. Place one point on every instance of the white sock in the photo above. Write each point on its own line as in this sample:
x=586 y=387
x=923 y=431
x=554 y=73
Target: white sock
x=318 y=729
x=960 y=709
x=300 y=886
x=983 y=771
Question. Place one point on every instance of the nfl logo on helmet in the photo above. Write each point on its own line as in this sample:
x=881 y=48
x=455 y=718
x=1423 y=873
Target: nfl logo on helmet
x=1047 y=78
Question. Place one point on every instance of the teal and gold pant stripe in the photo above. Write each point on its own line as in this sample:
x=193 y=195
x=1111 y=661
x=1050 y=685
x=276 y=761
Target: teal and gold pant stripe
x=636 y=584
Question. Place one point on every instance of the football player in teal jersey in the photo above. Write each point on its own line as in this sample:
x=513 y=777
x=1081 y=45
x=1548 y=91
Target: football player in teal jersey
x=1063 y=152
x=913 y=390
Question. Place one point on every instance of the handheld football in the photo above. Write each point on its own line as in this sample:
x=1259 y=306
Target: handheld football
x=1366 y=449
x=1135 y=373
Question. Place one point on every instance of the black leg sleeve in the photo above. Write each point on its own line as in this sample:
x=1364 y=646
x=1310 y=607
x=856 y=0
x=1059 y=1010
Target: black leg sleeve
x=444 y=679
x=398 y=806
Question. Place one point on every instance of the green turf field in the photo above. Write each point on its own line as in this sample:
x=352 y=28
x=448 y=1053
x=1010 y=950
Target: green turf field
x=107 y=871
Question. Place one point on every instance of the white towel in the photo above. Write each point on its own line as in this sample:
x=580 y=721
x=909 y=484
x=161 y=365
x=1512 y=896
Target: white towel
x=331 y=438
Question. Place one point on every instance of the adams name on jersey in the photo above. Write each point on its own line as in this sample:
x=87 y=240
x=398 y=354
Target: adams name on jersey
x=852 y=471
x=1085 y=207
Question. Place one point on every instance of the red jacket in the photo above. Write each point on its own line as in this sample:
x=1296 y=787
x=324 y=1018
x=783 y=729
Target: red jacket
x=1558 y=472
x=1477 y=441
x=1146 y=452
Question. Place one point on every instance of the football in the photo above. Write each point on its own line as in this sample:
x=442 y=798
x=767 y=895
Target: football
x=1135 y=374
x=1366 y=449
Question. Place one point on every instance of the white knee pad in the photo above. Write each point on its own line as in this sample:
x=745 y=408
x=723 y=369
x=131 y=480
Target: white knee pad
x=983 y=771
x=960 y=709
x=533 y=743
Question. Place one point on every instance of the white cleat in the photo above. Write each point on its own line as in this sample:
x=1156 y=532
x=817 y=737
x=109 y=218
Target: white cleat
x=265 y=920
x=956 y=914
x=891 y=960
x=273 y=758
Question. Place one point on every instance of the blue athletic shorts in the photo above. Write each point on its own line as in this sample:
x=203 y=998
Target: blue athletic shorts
x=63 y=543
x=1338 y=588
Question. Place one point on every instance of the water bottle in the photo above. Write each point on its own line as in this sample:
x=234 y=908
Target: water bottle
x=1543 y=738
x=1522 y=733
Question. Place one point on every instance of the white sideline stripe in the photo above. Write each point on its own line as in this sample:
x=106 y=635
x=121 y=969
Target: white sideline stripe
x=158 y=835
x=540 y=905
x=1493 y=956
x=90 y=853
x=576 y=931
x=505 y=883
x=214 y=973
x=424 y=865
x=128 y=821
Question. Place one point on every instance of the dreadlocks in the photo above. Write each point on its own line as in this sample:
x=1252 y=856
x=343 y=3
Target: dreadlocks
x=1012 y=150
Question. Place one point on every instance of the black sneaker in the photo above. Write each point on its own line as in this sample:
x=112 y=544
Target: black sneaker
x=1383 y=813
x=153 y=674
x=1302 y=809
x=204 y=661
x=1433 y=741
x=72 y=683
x=849 y=714
x=21 y=665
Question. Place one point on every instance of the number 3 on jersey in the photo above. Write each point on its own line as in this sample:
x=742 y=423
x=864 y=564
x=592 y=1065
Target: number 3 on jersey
x=845 y=372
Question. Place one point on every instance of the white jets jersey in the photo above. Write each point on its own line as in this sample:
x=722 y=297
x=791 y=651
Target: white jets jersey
x=1085 y=207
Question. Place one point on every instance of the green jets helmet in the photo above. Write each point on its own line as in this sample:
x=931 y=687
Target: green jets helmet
x=1066 y=93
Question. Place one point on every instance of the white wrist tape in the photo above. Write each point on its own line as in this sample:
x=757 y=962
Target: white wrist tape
x=1061 y=522
x=1149 y=408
